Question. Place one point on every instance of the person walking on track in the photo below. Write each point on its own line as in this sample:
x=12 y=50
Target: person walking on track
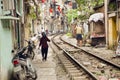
x=79 y=32
x=44 y=46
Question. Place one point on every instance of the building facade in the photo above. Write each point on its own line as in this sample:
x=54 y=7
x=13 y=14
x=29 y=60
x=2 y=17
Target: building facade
x=11 y=13
x=112 y=22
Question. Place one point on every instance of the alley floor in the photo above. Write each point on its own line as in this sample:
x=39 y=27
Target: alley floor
x=45 y=69
x=50 y=69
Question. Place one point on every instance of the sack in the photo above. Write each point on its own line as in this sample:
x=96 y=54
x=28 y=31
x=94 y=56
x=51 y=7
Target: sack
x=38 y=51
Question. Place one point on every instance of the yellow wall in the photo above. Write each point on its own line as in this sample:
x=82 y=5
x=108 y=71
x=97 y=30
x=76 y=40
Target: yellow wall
x=118 y=38
x=112 y=33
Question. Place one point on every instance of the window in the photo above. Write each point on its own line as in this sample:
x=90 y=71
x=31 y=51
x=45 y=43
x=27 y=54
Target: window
x=8 y=5
x=112 y=6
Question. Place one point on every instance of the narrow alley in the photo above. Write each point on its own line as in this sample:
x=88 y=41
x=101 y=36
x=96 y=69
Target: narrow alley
x=51 y=69
x=59 y=39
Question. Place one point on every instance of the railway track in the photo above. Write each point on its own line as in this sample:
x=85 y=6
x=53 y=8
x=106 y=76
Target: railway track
x=109 y=55
x=82 y=65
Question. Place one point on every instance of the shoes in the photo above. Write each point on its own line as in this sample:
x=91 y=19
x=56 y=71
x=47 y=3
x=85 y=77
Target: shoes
x=43 y=59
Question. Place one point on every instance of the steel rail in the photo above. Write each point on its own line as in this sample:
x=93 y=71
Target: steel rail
x=74 y=60
x=109 y=62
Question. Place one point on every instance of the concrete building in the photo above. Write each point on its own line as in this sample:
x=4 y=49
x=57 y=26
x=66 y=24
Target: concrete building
x=112 y=20
x=11 y=20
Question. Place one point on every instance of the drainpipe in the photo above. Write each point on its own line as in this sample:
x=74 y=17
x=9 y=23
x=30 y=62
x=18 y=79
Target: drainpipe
x=106 y=21
x=33 y=26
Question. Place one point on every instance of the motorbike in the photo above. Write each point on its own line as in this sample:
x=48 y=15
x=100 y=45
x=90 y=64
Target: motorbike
x=22 y=66
x=30 y=49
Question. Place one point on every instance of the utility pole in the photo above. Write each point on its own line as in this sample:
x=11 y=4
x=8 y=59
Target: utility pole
x=106 y=20
x=118 y=24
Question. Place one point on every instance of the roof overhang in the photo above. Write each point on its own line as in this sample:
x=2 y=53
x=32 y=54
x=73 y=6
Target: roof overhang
x=112 y=14
x=96 y=17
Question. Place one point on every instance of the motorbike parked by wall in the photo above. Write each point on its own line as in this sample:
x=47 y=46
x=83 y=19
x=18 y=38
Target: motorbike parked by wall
x=23 y=68
x=30 y=49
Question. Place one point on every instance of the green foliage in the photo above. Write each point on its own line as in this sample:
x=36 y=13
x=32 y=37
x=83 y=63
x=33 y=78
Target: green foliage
x=86 y=6
x=89 y=2
x=71 y=14
x=112 y=6
x=82 y=17
x=39 y=11
x=69 y=34
x=32 y=13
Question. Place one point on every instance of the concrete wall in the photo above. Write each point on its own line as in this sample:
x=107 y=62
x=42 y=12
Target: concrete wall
x=6 y=45
x=99 y=28
x=5 y=51
x=0 y=44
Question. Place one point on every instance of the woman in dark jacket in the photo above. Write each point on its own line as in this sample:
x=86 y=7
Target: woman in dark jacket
x=44 y=46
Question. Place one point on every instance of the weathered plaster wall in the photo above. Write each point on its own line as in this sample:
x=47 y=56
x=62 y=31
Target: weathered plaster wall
x=112 y=33
x=5 y=51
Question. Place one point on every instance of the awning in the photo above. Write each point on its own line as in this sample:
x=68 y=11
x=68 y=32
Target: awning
x=96 y=17
x=9 y=18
